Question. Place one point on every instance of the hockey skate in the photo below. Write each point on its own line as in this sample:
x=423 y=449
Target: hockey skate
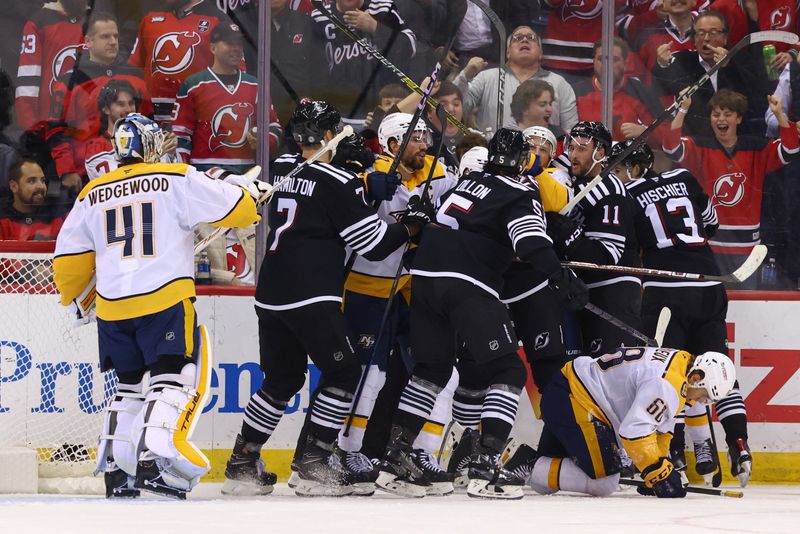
x=359 y=471
x=320 y=473
x=401 y=470
x=488 y=480
x=441 y=482
x=517 y=461
x=119 y=484
x=459 y=459
x=741 y=461
x=705 y=463
x=152 y=476
x=678 y=458
x=245 y=473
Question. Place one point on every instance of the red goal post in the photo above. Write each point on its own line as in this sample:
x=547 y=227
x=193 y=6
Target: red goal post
x=52 y=393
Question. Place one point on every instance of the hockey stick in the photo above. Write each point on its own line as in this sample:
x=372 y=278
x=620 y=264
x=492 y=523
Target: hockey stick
x=689 y=489
x=371 y=50
x=661 y=326
x=716 y=478
x=393 y=290
x=621 y=325
x=266 y=196
x=755 y=37
x=501 y=70
x=741 y=274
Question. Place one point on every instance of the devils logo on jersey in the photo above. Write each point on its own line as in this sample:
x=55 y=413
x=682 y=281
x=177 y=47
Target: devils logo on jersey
x=64 y=62
x=582 y=9
x=780 y=18
x=729 y=189
x=230 y=125
x=174 y=52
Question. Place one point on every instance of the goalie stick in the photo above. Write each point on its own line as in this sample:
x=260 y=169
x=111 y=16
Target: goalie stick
x=690 y=489
x=741 y=274
x=755 y=37
x=371 y=50
x=266 y=196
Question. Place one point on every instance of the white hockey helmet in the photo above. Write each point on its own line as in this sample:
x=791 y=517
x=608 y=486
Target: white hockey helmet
x=473 y=160
x=544 y=133
x=719 y=374
x=395 y=126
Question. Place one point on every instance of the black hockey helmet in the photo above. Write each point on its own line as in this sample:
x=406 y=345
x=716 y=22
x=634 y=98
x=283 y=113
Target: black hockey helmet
x=508 y=152
x=641 y=155
x=353 y=154
x=311 y=119
x=593 y=130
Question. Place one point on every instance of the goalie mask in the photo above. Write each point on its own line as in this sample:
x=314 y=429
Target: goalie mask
x=311 y=119
x=395 y=126
x=718 y=374
x=138 y=138
x=509 y=153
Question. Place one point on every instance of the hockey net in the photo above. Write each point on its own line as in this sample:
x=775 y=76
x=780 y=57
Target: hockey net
x=52 y=392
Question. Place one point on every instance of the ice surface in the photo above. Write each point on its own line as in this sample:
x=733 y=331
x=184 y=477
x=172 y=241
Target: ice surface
x=764 y=509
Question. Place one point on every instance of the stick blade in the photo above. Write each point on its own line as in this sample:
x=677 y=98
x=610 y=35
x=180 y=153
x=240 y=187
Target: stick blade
x=753 y=261
x=773 y=36
x=253 y=173
x=662 y=324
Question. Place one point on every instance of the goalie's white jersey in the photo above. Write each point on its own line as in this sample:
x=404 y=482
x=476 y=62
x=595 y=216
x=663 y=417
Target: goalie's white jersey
x=638 y=391
x=135 y=226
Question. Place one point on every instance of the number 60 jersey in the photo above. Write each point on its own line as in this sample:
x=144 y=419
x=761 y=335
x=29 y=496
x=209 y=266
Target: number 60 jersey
x=135 y=227
x=638 y=391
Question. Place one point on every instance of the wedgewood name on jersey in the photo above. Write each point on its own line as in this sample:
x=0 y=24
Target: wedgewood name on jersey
x=145 y=184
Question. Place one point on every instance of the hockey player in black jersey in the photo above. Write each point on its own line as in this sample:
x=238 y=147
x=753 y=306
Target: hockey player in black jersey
x=298 y=303
x=599 y=230
x=486 y=220
x=674 y=218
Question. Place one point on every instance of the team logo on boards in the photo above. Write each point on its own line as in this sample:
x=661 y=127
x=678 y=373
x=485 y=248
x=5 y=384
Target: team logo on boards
x=174 y=52
x=729 y=189
x=230 y=125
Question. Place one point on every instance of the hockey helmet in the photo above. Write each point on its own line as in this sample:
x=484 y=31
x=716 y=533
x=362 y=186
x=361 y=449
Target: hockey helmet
x=641 y=155
x=138 y=138
x=586 y=131
x=395 y=126
x=540 y=132
x=311 y=119
x=718 y=374
x=473 y=160
x=353 y=154
x=508 y=152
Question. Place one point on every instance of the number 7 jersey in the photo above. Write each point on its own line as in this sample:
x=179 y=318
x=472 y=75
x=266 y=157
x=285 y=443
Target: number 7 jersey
x=638 y=391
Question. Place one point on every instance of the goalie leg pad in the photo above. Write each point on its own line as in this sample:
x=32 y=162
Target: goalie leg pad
x=117 y=444
x=173 y=406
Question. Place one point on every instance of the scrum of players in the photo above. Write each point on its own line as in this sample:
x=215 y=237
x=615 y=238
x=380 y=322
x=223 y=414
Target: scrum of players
x=442 y=274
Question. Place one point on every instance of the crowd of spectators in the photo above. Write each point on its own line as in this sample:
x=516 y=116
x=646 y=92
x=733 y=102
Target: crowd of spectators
x=67 y=72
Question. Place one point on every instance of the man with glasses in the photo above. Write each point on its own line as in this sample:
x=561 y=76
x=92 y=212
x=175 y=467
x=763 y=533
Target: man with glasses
x=524 y=57
x=674 y=71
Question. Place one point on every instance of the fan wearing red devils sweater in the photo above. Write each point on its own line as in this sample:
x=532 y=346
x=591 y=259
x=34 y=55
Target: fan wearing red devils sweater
x=731 y=169
x=172 y=45
x=50 y=42
x=350 y=68
x=73 y=116
x=745 y=16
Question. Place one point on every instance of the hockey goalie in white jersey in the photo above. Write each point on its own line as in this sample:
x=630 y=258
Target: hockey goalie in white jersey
x=628 y=398
x=134 y=229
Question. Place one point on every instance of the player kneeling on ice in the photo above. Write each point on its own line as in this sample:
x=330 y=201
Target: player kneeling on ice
x=630 y=397
x=133 y=229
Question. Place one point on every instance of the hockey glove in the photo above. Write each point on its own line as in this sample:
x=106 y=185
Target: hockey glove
x=382 y=186
x=536 y=168
x=248 y=181
x=563 y=230
x=419 y=211
x=662 y=480
x=569 y=289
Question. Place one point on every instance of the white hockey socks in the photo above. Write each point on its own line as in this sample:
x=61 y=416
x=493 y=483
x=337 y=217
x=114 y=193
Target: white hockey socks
x=373 y=383
x=552 y=474
x=430 y=437
x=117 y=444
x=696 y=423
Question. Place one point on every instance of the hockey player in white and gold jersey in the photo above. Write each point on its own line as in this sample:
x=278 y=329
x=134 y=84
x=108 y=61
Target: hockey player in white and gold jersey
x=133 y=228
x=627 y=398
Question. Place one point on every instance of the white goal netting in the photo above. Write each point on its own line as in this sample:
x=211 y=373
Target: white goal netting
x=52 y=393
